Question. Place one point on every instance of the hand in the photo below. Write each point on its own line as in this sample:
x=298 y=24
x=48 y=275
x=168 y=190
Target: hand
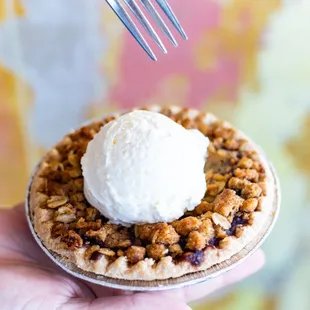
x=30 y=280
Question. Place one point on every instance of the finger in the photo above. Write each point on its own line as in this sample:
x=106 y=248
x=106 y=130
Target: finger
x=102 y=291
x=253 y=264
x=245 y=269
x=140 y=301
x=15 y=237
x=17 y=242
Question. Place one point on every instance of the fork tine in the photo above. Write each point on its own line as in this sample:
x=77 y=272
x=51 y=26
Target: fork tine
x=145 y=23
x=159 y=21
x=127 y=21
x=168 y=11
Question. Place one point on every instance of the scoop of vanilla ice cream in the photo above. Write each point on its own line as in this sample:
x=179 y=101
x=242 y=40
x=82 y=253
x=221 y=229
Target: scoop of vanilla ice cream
x=144 y=168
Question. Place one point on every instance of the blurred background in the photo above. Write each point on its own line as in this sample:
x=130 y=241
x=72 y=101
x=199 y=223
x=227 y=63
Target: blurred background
x=248 y=61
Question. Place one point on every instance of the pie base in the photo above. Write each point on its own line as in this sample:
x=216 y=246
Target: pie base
x=148 y=269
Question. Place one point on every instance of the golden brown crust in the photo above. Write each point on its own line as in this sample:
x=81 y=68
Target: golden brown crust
x=237 y=201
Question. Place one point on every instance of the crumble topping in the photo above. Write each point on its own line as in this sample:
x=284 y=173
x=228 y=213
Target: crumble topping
x=235 y=187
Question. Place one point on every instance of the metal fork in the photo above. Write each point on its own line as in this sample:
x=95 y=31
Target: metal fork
x=119 y=9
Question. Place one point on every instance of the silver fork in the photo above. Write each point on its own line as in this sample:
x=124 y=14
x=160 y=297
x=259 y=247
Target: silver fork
x=119 y=9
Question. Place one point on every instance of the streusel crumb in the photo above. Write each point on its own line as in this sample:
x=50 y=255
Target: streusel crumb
x=185 y=226
x=135 y=254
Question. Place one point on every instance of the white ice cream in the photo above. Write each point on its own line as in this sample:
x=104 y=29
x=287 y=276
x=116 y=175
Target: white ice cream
x=145 y=168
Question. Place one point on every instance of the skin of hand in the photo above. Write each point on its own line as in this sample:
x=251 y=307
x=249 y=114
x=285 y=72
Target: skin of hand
x=29 y=280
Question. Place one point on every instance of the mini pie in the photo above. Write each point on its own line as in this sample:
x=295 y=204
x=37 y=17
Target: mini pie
x=237 y=201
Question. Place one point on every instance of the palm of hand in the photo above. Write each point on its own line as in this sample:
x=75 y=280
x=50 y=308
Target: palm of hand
x=29 y=280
